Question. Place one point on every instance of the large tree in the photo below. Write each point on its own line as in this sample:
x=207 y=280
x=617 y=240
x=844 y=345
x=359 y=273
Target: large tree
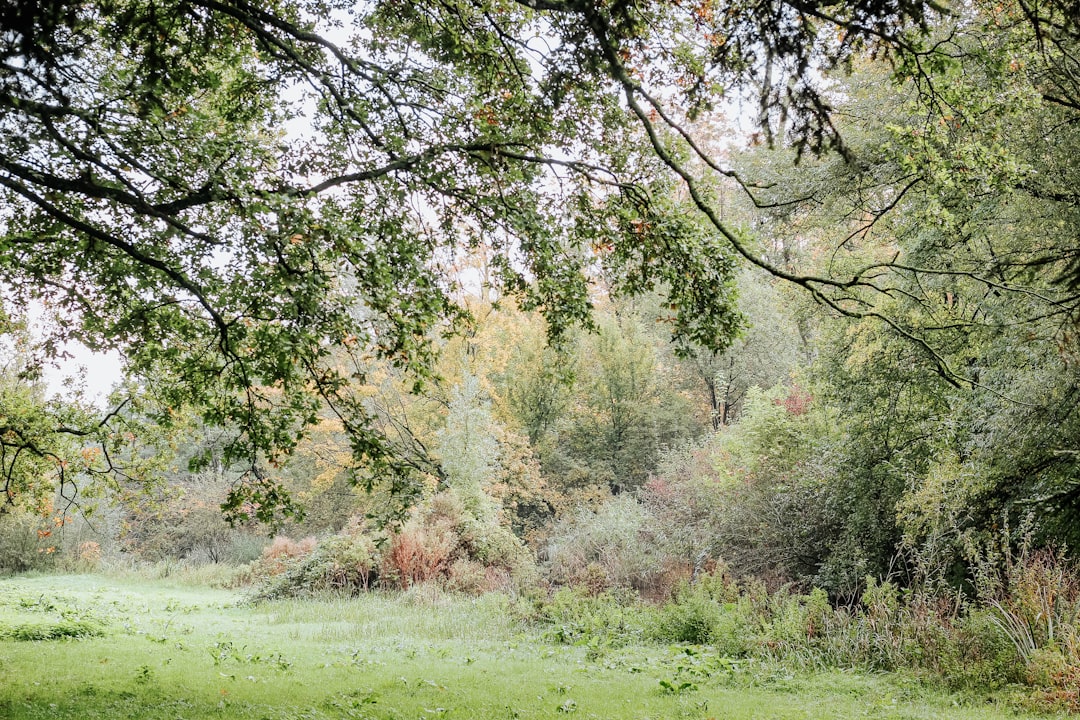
x=251 y=201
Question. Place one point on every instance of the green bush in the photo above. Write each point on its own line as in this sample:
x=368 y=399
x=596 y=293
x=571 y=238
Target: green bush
x=346 y=562
x=985 y=657
x=51 y=630
x=689 y=619
x=575 y=616
x=709 y=612
x=26 y=542
x=799 y=620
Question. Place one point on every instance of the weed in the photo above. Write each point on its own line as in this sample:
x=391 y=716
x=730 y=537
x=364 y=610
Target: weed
x=144 y=675
x=677 y=688
x=57 y=630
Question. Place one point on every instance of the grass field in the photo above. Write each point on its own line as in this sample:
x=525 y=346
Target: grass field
x=91 y=647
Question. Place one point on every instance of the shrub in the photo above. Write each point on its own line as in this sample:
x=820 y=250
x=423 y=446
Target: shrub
x=692 y=618
x=607 y=549
x=1033 y=599
x=345 y=562
x=26 y=542
x=709 y=612
x=283 y=552
x=467 y=576
x=54 y=630
x=418 y=554
x=798 y=620
x=573 y=616
x=88 y=555
x=444 y=542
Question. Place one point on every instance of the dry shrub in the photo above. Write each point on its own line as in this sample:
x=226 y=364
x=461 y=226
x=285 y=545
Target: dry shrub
x=593 y=578
x=418 y=554
x=660 y=586
x=612 y=547
x=443 y=542
x=476 y=578
x=467 y=576
x=89 y=554
x=283 y=552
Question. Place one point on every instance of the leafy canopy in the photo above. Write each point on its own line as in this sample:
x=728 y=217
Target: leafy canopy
x=252 y=202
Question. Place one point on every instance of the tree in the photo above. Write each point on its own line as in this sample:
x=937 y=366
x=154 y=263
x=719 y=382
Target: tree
x=156 y=199
x=764 y=355
x=468 y=447
x=625 y=410
x=959 y=410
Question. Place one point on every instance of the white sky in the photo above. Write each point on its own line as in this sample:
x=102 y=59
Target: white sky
x=97 y=373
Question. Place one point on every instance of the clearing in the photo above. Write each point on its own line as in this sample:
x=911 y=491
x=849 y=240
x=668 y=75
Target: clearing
x=94 y=647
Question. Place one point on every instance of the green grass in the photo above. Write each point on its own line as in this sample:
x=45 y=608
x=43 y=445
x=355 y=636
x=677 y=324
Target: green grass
x=159 y=650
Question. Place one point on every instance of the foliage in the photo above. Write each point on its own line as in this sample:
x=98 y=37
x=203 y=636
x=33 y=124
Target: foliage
x=954 y=382
x=1032 y=597
x=253 y=274
x=258 y=275
x=442 y=543
x=346 y=562
x=36 y=632
x=607 y=549
x=696 y=615
x=765 y=354
x=580 y=617
x=469 y=448
x=26 y=541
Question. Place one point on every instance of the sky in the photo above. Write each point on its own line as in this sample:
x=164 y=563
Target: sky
x=98 y=373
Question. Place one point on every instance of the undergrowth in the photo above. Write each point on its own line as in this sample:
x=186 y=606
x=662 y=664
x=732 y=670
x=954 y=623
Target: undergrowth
x=1021 y=630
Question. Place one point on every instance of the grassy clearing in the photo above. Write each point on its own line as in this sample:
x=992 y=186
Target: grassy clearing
x=160 y=650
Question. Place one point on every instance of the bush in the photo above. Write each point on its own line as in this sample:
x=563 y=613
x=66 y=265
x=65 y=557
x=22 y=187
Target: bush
x=26 y=542
x=1033 y=600
x=443 y=542
x=692 y=618
x=709 y=612
x=55 y=630
x=611 y=548
x=574 y=616
x=283 y=553
x=345 y=562
x=418 y=554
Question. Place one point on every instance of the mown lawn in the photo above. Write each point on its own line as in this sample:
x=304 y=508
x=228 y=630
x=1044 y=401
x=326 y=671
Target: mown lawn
x=158 y=650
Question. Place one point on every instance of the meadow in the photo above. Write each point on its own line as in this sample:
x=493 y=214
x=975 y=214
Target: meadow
x=91 y=646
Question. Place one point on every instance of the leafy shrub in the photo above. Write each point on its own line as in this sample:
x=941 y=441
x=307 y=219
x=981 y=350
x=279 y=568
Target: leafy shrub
x=709 y=612
x=467 y=576
x=983 y=657
x=346 y=562
x=611 y=548
x=798 y=620
x=26 y=542
x=52 y=630
x=691 y=618
x=574 y=616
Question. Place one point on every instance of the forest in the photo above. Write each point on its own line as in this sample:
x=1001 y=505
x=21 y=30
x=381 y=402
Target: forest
x=749 y=325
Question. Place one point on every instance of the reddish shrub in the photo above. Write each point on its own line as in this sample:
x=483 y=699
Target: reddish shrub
x=284 y=551
x=418 y=554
